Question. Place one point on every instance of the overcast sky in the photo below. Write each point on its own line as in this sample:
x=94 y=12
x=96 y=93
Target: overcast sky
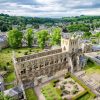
x=50 y=8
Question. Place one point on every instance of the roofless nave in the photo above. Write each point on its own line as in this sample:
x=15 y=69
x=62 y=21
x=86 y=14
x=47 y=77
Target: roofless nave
x=33 y=68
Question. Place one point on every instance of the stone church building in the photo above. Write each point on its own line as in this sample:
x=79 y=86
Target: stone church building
x=36 y=67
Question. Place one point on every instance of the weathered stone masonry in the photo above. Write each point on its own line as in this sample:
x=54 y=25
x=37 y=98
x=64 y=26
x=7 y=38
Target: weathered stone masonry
x=47 y=63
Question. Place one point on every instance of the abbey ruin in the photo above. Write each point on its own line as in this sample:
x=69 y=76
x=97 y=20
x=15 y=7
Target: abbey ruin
x=33 y=68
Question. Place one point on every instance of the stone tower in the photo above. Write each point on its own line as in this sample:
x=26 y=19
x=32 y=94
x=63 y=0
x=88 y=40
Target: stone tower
x=69 y=44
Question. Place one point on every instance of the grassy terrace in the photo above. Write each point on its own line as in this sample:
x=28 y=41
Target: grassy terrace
x=92 y=68
x=87 y=96
x=6 y=63
x=30 y=94
x=51 y=93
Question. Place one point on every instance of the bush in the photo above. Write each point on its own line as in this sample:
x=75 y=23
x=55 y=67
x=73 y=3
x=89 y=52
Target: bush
x=5 y=68
x=62 y=87
x=79 y=95
x=74 y=91
x=89 y=61
x=67 y=75
x=55 y=81
x=25 y=53
x=30 y=50
x=8 y=51
x=65 y=99
x=7 y=63
x=19 y=51
x=66 y=92
x=59 y=91
x=64 y=82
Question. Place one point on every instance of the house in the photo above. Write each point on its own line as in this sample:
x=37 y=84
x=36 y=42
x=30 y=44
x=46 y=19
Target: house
x=15 y=93
x=1 y=83
x=3 y=41
x=96 y=48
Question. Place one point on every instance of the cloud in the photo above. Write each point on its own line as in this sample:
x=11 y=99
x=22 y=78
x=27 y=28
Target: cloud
x=50 y=8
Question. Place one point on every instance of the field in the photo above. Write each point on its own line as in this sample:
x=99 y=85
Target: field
x=50 y=92
x=6 y=64
x=92 y=68
x=30 y=94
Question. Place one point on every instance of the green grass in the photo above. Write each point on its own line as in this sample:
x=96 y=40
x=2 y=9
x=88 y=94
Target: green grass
x=87 y=96
x=6 y=63
x=92 y=68
x=51 y=93
x=6 y=55
x=9 y=77
x=30 y=94
x=9 y=86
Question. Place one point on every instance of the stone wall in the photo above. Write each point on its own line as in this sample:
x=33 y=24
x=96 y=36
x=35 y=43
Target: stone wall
x=36 y=55
x=47 y=65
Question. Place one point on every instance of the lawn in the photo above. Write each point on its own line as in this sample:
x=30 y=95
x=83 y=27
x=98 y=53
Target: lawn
x=6 y=63
x=92 y=68
x=87 y=96
x=30 y=94
x=50 y=92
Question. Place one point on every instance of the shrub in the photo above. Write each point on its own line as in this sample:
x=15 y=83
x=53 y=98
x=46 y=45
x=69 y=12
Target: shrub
x=5 y=68
x=74 y=91
x=64 y=82
x=62 y=87
x=67 y=75
x=59 y=91
x=7 y=63
x=55 y=81
x=30 y=50
x=19 y=51
x=79 y=95
x=65 y=99
x=25 y=53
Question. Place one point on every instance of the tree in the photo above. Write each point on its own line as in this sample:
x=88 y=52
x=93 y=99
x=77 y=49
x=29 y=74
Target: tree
x=14 y=38
x=29 y=37
x=87 y=35
x=2 y=97
x=98 y=36
x=56 y=36
x=42 y=37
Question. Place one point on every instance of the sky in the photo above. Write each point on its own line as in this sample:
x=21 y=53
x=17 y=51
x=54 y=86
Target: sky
x=50 y=8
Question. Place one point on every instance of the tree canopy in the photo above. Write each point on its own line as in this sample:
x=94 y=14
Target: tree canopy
x=56 y=36
x=14 y=38
x=87 y=35
x=29 y=37
x=42 y=37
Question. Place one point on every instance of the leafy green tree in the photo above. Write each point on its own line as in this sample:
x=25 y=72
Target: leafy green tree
x=29 y=37
x=2 y=97
x=42 y=37
x=14 y=38
x=87 y=35
x=56 y=36
x=98 y=36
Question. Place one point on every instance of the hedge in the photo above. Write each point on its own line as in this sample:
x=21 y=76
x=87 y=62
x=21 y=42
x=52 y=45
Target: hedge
x=80 y=95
